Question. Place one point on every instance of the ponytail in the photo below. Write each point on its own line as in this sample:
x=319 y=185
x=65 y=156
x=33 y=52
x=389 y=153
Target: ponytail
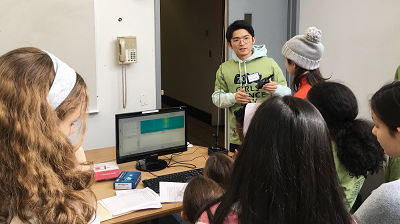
x=357 y=148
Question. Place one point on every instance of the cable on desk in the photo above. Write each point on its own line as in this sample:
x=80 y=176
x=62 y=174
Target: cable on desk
x=173 y=163
x=179 y=154
x=188 y=153
x=152 y=174
x=187 y=165
x=182 y=164
x=183 y=161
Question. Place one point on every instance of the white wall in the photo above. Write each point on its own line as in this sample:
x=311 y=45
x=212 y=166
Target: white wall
x=362 y=48
x=137 y=20
x=43 y=24
x=361 y=40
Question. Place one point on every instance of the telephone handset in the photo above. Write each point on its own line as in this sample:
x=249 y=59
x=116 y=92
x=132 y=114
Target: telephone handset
x=127 y=50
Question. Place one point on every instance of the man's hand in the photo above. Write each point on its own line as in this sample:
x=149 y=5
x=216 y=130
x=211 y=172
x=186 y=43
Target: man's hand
x=270 y=87
x=242 y=97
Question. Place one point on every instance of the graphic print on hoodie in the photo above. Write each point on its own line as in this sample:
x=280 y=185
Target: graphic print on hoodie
x=232 y=76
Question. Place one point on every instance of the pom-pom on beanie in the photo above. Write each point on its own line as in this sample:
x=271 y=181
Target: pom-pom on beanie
x=305 y=50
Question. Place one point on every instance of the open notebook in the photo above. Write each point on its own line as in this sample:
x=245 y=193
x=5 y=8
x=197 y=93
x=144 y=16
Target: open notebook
x=126 y=202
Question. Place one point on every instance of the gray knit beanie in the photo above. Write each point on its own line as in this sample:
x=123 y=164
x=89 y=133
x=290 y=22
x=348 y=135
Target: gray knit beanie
x=305 y=50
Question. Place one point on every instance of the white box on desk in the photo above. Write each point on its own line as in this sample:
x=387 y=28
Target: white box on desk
x=104 y=171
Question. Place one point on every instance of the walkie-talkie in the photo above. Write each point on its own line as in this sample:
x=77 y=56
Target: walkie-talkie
x=264 y=81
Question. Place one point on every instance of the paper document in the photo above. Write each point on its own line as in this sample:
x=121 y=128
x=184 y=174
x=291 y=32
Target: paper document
x=124 y=192
x=132 y=201
x=172 y=191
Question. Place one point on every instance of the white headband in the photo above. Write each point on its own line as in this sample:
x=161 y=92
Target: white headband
x=63 y=83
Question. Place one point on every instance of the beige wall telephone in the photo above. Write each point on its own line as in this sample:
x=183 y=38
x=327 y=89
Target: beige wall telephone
x=127 y=50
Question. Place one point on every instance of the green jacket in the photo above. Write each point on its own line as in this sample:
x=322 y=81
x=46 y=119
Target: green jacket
x=392 y=171
x=351 y=185
x=231 y=77
x=397 y=74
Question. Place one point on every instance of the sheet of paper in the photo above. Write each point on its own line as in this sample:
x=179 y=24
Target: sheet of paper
x=124 y=192
x=172 y=191
x=248 y=115
x=103 y=212
x=135 y=200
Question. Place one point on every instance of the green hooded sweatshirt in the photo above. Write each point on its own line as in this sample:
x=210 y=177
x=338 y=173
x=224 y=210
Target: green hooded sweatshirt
x=397 y=74
x=232 y=76
x=351 y=185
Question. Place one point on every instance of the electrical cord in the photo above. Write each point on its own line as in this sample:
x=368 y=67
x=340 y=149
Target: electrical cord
x=184 y=163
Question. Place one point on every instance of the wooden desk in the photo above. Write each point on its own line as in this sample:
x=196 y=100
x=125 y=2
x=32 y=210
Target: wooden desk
x=104 y=189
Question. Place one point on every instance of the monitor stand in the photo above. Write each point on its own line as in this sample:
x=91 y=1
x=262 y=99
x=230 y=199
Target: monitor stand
x=151 y=164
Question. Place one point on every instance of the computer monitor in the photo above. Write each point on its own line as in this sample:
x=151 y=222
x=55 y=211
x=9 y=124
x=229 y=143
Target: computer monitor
x=146 y=135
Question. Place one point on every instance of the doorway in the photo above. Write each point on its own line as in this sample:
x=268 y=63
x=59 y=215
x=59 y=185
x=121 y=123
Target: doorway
x=191 y=45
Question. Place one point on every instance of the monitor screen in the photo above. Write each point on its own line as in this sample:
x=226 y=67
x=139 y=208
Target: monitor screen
x=149 y=134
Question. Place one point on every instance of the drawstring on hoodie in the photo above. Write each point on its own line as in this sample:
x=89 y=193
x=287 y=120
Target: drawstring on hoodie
x=240 y=76
x=240 y=73
x=258 y=51
x=245 y=70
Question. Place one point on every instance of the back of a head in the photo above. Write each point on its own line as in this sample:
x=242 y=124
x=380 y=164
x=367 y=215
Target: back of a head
x=219 y=168
x=336 y=103
x=198 y=193
x=357 y=148
x=306 y=51
x=285 y=168
x=38 y=165
x=385 y=104
x=237 y=25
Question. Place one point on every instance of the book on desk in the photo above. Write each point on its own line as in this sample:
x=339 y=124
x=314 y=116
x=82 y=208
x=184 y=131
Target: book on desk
x=104 y=189
x=127 y=180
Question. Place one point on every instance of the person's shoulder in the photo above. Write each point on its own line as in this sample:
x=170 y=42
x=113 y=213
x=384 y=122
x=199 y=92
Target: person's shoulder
x=204 y=217
x=229 y=62
x=388 y=192
x=382 y=205
x=302 y=92
x=227 y=65
x=264 y=61
x=394 y=160
x=391 y=186
x=231 y=218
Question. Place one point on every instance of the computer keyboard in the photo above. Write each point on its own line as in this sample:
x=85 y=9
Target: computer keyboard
x=181 y=177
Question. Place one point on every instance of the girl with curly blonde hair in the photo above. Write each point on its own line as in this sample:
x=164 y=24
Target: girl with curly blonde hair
x=42 y=180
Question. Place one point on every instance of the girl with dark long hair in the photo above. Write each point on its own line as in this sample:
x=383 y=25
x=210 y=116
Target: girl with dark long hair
x=356 y=150
x=284 y=172
x=383 y=206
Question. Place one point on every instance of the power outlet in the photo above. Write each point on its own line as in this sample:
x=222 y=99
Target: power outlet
x=143 y=99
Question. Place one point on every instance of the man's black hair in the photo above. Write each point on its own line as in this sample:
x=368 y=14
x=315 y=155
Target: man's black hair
x=237 y=25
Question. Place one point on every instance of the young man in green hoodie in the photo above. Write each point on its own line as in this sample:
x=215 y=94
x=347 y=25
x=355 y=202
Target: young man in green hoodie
x=237 y=79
